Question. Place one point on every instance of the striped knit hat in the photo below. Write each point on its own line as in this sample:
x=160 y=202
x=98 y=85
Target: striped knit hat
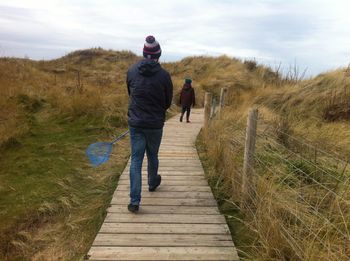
x=151 y=48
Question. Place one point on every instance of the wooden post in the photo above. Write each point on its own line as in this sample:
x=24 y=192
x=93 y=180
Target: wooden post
x=207 y=106
x=213 y=108
x=248 y=165
x=222 y=98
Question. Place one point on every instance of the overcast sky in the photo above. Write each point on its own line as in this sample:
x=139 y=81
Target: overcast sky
x=314 y=34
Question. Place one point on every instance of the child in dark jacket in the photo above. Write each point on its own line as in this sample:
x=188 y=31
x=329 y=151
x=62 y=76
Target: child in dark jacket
x=187 y=99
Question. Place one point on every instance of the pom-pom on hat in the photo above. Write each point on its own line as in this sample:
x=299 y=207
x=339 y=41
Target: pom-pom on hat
x=188 y=80
x=151 y=48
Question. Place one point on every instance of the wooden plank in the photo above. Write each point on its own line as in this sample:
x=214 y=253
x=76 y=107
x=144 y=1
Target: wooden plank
x=180 y=221
x=164 y=218
x=178 y=160
x=163 y=187
x=194 y=160
x=167 y=201
x=155 y=209
x=180 y=168
x=168 y=177
x=182 y=135
x=185 y=144
x=173 y=182
x=174 y=169
x=173 y=141
x=178 y=148
x=179 y=155
x=167 y=194
x=155 y=240
x=163 y=253
x=170 y=173
x=156 y=228
x=180 y=173
x=178 y=163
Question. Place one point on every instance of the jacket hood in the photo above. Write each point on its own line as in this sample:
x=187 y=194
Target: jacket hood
x=148 y=67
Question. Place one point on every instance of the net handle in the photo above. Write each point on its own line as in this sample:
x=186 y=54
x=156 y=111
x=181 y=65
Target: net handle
x=119 y=137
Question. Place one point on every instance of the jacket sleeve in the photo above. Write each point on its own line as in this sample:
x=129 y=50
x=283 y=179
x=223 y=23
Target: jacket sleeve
x=168 y=91
x=193 y=98
x=128 y=82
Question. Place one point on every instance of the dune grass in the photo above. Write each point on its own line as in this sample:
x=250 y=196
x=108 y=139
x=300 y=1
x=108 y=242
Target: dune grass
x=299 y=208
x=52 y=202
x=48 y=184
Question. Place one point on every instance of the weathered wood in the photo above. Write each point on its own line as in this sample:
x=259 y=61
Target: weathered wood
x=170 y=172
x=175 y=163
x=177 y=154
x=213 y=107
x=169 y=188
x=168 y=201
x=167 y=194
x=170 y=177
x=165 y=218
x=179 y=221
x=173 y=173
x=248 y=164
x=174 y=182
x=157 y=228
x=223 y=93
x=156 y=240
x=156 y=209
x=207 y=107
x=176 y=169
x=163 y=253
x=187 y=167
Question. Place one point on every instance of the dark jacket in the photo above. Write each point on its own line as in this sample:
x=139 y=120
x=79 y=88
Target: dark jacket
x=187 y=96
x=151 y=90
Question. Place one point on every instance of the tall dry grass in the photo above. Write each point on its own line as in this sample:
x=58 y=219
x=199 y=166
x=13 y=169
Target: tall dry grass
x=91 y=84
x=293 y=216
x=12 y=73
x=300 y=201
x=49 y=112
x=86 y=82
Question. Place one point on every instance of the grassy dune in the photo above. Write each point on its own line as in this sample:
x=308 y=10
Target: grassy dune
x=52 y=202
x=299 y=208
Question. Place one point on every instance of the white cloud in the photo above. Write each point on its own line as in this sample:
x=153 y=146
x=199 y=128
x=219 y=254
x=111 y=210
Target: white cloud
x=314 y=32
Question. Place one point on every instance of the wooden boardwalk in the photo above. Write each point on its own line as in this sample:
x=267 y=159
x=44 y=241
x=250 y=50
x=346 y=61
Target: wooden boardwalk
x=180 y=221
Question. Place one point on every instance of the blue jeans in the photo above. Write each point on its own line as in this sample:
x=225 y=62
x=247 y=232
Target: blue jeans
x=143 y=140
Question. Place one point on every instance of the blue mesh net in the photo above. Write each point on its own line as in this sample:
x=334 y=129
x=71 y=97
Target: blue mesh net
x=99 y=152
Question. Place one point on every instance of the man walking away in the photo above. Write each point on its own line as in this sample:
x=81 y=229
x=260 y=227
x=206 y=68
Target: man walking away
x=150 y=93
x=187 y=99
